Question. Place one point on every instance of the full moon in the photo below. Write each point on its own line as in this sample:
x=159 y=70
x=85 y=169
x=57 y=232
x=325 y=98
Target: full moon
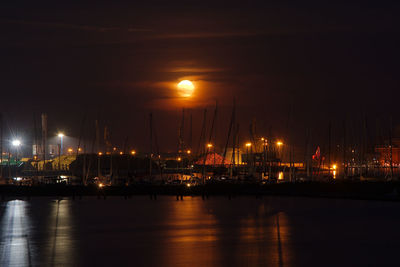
x=185 y=88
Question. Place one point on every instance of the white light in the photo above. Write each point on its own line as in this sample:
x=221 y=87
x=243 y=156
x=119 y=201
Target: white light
x=16 y=143
x=60 y=135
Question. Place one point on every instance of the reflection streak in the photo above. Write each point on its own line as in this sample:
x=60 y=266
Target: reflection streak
x=191 y=234
x=14 y=246
x=61 y=248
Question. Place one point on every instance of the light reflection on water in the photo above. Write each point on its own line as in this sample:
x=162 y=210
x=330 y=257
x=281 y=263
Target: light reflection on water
x=244 y=231
x=191 y=234
x=14 y=245
x=60 y=241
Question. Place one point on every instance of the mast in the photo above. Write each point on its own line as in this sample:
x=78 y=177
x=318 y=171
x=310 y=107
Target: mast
x=98 y=148
x=344 y=150
x=202 y=144
x=307 y=154
x=44 y=138
x=1 y=145
x=151 y=143
x=391 y=148
x=158 y=153
x=202 y=140
x=80 y=140
x=366 y=141
x=181 y=133
x=181 y=145
x=190 y=143
x=91 y=158
x=212 y=128
x=191 y=131
x=231 y=128
x=329 y=149
x=36 y=145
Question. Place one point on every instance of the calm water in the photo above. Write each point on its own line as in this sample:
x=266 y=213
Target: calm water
x=243 y=231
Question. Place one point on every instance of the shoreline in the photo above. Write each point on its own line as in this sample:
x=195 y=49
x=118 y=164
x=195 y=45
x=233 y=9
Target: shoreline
x=378 y=191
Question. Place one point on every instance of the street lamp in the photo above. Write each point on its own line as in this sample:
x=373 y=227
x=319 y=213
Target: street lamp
x=60 y=146
x=61 y=135
x=16 y=143
x=248 y=145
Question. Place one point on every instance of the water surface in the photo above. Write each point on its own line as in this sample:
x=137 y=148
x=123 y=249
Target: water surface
x=243 y=231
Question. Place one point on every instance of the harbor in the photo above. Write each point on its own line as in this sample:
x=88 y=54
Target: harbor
x=199 y=133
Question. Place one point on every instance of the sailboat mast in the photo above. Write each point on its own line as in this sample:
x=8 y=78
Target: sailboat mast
x=98 y=148
x=391 y=148
x=1 y=145
x=151 y=143
x=344 y=150
x=329 y=149
x=191 y=131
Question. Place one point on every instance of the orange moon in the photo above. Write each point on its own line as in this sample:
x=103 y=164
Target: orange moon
x=185 y=88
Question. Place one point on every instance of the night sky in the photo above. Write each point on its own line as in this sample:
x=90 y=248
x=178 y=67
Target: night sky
x=311 y=63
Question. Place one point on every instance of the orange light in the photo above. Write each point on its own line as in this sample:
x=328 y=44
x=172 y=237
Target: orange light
x=248 y=144
x=70 y=150
x=279 y=143
x=179 y=159
x=79 y=149
x=133 y=152
x=114 y=148
x=185 y=88
x=100 y=153
x=209 y=145
x=121 y=153
x=188 y=151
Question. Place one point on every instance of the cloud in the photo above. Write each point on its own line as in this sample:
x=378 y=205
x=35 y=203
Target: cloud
x=72 y=26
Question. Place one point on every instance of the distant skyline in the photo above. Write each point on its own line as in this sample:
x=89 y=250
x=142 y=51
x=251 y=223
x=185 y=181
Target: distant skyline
x=118 y=62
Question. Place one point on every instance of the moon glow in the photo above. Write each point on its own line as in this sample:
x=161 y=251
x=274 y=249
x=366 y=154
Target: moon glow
x=185 y=88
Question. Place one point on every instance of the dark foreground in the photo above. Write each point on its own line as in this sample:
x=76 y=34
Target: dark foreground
x=242 y=231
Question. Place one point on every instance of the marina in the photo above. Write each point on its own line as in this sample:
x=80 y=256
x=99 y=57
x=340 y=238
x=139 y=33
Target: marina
x=199 y=133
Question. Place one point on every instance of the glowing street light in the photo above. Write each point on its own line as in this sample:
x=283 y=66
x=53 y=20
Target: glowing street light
x=61 y=135
x=209 y=145
x=16 y=143
x=188 y=152
x=279 y=143
x=248 y=145
x=133 y=152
